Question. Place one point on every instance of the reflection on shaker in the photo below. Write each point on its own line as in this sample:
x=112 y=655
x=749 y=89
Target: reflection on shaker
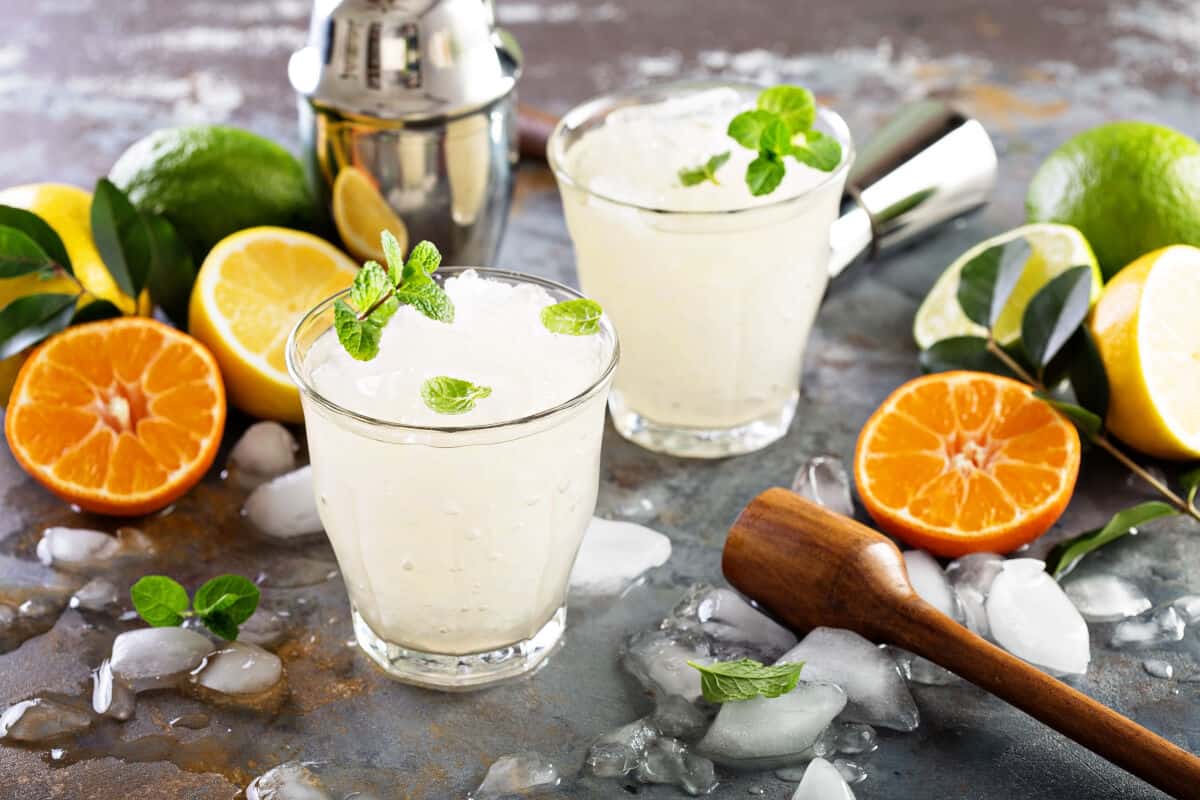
x=468 y=160
x=361 y=213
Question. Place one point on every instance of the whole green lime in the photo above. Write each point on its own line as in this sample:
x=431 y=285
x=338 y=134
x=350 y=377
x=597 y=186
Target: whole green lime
x=210 y=181
x=1130 y=187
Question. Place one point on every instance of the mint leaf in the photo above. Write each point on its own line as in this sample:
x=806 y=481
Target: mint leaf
x=225 y=602
x=39 y=231
x=1065 y=555
x=579 y=317
x=776 y=139
x=794 y=105
x=747 y=128
x=731 y=681
x=705 y=172
x=423 y=261
x=394 y=256
x=818 y=151
x=159 y=600
x=360 y=338
x=369 y=287
x=222 y=626
x=452 y=395
x=426 y=296
x=763 y=174
x=31 y=318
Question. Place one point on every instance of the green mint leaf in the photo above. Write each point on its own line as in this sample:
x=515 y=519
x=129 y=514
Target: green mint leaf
x=818 y=151
x=369 y=287
x=962 y=352
x=118 y=231
x=360 y=338
x=1063 y=558
x=705 y=172
x=452 y=395
x=94 y=311
x=30 y=319
x=776 y=139
x=423 y=261
x=731 y=681
x=159 y=600
x=578 y=317
x=748 y=127
x=794 y=105
x=39 y=231
x=172 y=269
x=20 y=254
x=230 y=598
x=1055 y=313
x=1088 y=422
x=394 y=256
x=220 y=624
x=426 y=296
x=763 y=174
x=987 y=280
x=1190 y=482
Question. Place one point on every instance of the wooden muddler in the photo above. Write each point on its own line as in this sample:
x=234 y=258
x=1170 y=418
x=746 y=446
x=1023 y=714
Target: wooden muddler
x=809 y=567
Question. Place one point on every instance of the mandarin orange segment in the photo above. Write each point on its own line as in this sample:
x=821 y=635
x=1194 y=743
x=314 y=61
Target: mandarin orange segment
x=962 y=462
x=119 y=417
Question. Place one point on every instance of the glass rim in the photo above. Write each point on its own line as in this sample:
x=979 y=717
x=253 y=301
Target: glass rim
x=596 y=106
x=293 y=359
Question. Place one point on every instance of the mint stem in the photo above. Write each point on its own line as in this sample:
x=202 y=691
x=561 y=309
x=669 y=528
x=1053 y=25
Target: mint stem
x=362 y=315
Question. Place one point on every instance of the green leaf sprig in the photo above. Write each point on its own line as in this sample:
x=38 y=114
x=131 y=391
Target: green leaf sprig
x=221 y=604
x=1057 y=356
x=781 y=125
x=745 y=679
x=377 y=294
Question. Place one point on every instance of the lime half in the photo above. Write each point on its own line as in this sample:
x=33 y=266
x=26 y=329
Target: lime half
x=1054 y=249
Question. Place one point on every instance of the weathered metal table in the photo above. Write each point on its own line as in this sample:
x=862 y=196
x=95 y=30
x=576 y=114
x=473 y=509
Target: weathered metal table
x=80 y=79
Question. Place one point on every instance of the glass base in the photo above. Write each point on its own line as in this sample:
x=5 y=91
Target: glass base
x=462 y=673
x=701 y=442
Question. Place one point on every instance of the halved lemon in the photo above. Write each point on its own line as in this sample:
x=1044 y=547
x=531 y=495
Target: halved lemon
x=251 y=290
x=361 y=213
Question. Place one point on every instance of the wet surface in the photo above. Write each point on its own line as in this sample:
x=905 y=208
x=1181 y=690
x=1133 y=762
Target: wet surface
x=80 y=79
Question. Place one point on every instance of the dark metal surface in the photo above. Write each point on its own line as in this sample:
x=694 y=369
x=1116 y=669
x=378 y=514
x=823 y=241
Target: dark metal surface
x=80 y=79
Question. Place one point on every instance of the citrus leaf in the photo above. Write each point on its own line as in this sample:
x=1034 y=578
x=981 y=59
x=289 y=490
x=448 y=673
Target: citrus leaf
x=95 y=310
x=987 y=280
x=172 y=269
x=119 y=232
x=745 y=679
x=20 y=254
x=962 y=352
x=1063 y=558
x=37 y=229
x=1085 y=420
x=1055 y=313
x=159 y=600
x=1190 y=481
x=1080 y=364
x=30 y=319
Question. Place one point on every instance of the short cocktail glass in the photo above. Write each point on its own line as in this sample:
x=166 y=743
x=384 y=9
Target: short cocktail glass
x=455 y=542
x=714 y=305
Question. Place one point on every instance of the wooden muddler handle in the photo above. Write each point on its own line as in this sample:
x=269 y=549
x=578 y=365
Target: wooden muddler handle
x=810 y=567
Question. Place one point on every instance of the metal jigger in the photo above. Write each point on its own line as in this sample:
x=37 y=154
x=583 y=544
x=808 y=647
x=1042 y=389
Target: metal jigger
x=928 y=165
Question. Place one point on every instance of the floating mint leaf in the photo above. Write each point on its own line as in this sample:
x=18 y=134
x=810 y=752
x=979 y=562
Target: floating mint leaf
x=159 y=600
x=39 y=231
x=962 y=352
x=731 y=681
x=818 y=151
x=426 y=296
x=31 y=318
x=224 y=603
x=705 y=172
x=578 y=317
x=1055 y=313
x=1065 y=555
x=763 y=174
x=360 y=338
x=423 y=261
x=747 y=128
x=792 y=104
x=452 y=395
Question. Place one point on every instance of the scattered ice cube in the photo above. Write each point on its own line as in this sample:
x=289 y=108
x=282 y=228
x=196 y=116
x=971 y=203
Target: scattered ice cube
x=922 y=671
x=97 y=594
x=288 y=781
x=658 y=660
x=266 y=450
x=39 y=607
x=676 y=717
x=766 y=733
x=851 y=738
x=971 y=578
x=264 y=628
x=518 y=773
x=111 y=697
x=240 y=668
x=669 y=761
x=1106 y=598
x=1158 y=668
x=724 y=617
x=875 y=689
x=154 y=658
x=823 y=480
x=619 y=752
x=1031 y=617
x=613 y=555
x=930 y=582
x=850 y=771
x=40 y=720
x=76 y=549
x=1188 y=607
x=822 y=781
x=285 y=507
x=1150 y=630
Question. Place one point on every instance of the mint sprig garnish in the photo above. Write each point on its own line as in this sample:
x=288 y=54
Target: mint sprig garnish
x=705 y=172
x=781 y=125
x=447 y=395
x=578 y=317
x=377 y=293
x=221 y=604
x=745 y=679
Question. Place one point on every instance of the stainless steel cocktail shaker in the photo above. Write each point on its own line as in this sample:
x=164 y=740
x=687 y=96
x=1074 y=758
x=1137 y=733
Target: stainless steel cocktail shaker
x=419 y=98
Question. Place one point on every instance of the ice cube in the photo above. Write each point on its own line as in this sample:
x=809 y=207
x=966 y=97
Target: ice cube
x=875 y=689
x=766 y=733
x=613 y=555
x=850 y=771
x=669 y=761
x=285 y=507
x=97 y=594
x=264 y=628
x=154 y=658
x=240 y=668
x=676 y=717
x=518 y=773
x=971 y=578
x=823 y=480
x=1188 y=607
x=39 y=720
x=266 y=450
x=851 y=738
x=1158 y=668
x=619 y=752
x=930 y=582
x=111 y=697
x=1150 y=630
x=1106 y=598
x=822 y=781
x=1031 y=617
x=658 y=660
x=76 y=549
x=288 y=781
x=726 y=619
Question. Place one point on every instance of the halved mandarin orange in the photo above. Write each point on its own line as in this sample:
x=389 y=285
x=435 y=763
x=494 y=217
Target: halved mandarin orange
x=119 y=417
x=962 y=462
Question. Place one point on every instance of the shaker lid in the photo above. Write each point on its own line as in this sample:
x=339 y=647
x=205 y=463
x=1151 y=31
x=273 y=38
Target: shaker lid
x=404 y=59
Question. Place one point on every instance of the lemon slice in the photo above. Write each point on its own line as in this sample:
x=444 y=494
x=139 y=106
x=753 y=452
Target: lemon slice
x=1055 y=249
x=251 y=290
x=1148 y=331
x=361 y=213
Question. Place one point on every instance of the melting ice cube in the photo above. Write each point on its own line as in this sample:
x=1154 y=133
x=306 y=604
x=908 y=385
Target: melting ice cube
x=1158 y=668
x=930 y=582
x=823 y=480
x=822 y=781
x=516 y=774
x=111 y=697
x=1032 y=618
x=1106 y=598
x=240 y=668
x=1165 y=625
x=658 y=660
x=288 y=781
x=971 y=578
x=40 y=720
x=97 y=594
x=153 y=658
x=875 y=690
x=613 y=555
x=619 y=752
x=266 y=450
x=765 y=733
x=676 y=717
x=76 y=549
x=285 y=507
x=724 y=617
x=669 y=761
x=1188 y=607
